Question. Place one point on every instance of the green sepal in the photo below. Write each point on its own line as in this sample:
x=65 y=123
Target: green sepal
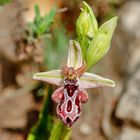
x=84 y=44
x=100 y=44
x=108 y=27
x=93 y=24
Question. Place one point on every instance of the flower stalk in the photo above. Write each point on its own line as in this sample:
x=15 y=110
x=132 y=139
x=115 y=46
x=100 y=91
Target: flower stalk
x=42 y=129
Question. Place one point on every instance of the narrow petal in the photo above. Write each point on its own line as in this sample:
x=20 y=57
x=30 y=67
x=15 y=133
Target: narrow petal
x=52 y=77
x=89 y=80
x=58 y=94
x=83 y=96
x=74 y=55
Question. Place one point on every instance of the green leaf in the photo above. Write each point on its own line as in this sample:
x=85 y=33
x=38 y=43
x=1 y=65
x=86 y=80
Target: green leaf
x=50 y=17
x=86 y=27
x=43 y=127
x=47 y=21
x=67 y=136
x=100 y=44
x=56 y=131
x=32 y=28
x=37 y=15
x=2 y=2
x=60 y=131
x=41 y=24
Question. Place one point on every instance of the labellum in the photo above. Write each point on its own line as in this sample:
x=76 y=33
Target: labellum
x=70 y=96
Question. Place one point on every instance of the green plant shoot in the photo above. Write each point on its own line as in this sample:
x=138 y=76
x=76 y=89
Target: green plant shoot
x=94 y=41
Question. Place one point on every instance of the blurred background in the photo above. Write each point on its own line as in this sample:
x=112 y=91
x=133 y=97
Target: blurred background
x=110 y=114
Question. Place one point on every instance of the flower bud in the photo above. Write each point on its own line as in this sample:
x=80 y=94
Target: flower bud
x=86 y=27
x=86 y=24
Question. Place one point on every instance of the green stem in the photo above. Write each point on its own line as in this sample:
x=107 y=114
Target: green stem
x=41 y=131
x=45 y=129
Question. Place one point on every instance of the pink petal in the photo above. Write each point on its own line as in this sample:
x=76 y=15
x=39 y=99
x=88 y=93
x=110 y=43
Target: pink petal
x=58 y=94
x=83 y=96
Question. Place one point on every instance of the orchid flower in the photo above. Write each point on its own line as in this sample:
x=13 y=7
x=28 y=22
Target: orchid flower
x=72 y=80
